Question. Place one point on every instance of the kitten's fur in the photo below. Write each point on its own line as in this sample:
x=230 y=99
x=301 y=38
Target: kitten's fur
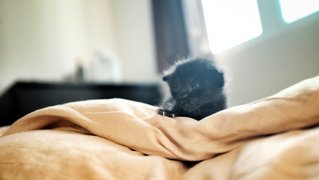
x=196 y=87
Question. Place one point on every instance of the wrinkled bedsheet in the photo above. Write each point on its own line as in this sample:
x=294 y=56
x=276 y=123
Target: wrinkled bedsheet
x=273 y=138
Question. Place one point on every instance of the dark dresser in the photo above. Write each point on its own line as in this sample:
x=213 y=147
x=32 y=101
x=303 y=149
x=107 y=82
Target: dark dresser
x=25 y=97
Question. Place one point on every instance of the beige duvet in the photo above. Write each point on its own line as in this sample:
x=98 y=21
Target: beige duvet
x=273 y=138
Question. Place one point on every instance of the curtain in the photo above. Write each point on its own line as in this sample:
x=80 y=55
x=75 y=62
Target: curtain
x=179 y=31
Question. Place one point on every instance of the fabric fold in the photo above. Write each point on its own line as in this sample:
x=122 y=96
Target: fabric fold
x=122 y=139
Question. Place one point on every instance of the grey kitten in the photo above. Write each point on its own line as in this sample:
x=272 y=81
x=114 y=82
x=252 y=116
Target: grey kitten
x=196 y=87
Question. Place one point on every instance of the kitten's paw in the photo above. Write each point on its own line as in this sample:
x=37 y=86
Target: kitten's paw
x=165 y=112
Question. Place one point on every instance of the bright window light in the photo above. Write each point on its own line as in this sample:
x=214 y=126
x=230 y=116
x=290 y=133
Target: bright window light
x=292 y=10
x=230 y=22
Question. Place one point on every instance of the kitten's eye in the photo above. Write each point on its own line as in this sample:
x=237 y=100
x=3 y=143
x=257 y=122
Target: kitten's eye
x=195 y=85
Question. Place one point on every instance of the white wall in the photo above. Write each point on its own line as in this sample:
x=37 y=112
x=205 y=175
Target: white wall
x=32 y=40
x=283 y=55
x=42 y=39
x=135 y=39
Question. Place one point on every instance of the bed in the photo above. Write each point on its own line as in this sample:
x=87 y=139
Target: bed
x=272 y=138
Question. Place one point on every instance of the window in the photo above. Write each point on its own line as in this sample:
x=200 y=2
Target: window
x=292 y=10
x=230 y=22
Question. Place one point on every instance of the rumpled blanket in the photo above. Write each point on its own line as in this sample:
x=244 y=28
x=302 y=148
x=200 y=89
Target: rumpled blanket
x=273 y=138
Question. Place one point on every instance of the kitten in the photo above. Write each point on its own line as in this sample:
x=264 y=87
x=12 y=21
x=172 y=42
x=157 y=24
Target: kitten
x=196 y=87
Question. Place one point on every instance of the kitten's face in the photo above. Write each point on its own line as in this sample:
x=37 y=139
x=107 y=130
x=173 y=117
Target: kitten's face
x=192 y=84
